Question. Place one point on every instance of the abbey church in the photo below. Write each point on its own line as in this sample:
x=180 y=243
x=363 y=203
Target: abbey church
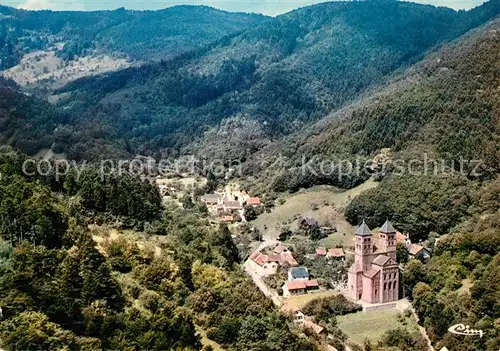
x=374 y=275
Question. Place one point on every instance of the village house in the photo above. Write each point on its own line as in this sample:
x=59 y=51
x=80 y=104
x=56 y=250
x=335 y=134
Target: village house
x=298 y=282
x=231 y=205
x=318 y=329
x=336 y=253
x=302 y=321
x=253 y=201
x=374 y=275
x=298 y=316
x=418 y=252
x=299 y=287
x=265 y=265
x=403 y=238
x=308 y=223
x=321 y=252
x=298 y=273
x=211 y=199
x=228 y=219
x=279 y=249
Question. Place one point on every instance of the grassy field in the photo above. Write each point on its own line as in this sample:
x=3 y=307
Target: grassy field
x=298 y=302
x=373 y=325
x=330 y=203
x=45 y=65
x=333 y=240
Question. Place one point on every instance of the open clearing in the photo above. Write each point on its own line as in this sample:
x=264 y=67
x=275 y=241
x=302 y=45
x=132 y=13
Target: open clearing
x=152 y=243
x=372 y=325
x=39 y=66
x=330 y=203
x=298 y=302
x=344 y=239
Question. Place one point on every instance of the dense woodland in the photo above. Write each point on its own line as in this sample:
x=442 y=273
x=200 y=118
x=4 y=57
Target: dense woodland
x=57 y=291
x=298 y=67
x=140 y=35
x=377 y=75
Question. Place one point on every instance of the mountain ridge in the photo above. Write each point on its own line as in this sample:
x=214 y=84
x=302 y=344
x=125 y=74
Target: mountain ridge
x=294 y=75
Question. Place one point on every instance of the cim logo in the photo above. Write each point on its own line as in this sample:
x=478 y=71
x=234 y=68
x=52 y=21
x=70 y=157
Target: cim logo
x=462 y=329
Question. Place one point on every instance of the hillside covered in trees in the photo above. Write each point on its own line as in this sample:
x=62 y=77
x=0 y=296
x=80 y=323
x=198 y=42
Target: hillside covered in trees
x=276 y=77
x=382 y=83
x=140 y=35
x=58 y=290
x=443 y=109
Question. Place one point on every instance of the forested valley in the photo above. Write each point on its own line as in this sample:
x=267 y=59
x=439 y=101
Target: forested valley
x=375 y=83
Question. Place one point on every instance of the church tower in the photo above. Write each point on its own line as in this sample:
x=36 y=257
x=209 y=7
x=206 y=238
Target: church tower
x=387 y=240
x=364 y=247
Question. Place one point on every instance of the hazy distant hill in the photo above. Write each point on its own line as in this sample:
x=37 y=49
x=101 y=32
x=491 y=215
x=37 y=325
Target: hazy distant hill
x=144 y=35
x=283 y=74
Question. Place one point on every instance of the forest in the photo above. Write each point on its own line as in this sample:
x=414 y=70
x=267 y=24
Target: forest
x=296 y=68
x=57 y=291
x=373 y=83
x=139 y=35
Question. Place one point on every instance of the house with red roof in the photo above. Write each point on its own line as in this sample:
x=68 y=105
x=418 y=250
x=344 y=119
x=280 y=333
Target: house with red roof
x=280 y=248
x=321 y=251
x=302 y=321
x=265 y=265
x=299 y=287
x=254 y=201
x=231 y=205
x=318 y=329
x=403 y=238
x=228 y=219
x=336 y=253
x=287 y=258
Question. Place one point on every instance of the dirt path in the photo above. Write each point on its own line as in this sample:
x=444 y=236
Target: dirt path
x=404 y=304
x=273 y=295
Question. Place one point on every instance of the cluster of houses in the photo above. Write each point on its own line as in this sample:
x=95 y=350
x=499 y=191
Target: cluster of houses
x=372 y=278
x=415 y=251
x=298 y=281
x=228 y=207
x=266 y=265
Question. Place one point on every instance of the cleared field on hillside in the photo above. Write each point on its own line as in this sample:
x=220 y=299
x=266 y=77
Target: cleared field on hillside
x=298 y=302
x=330 y=203
x=39 y=66
x=373 y=325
